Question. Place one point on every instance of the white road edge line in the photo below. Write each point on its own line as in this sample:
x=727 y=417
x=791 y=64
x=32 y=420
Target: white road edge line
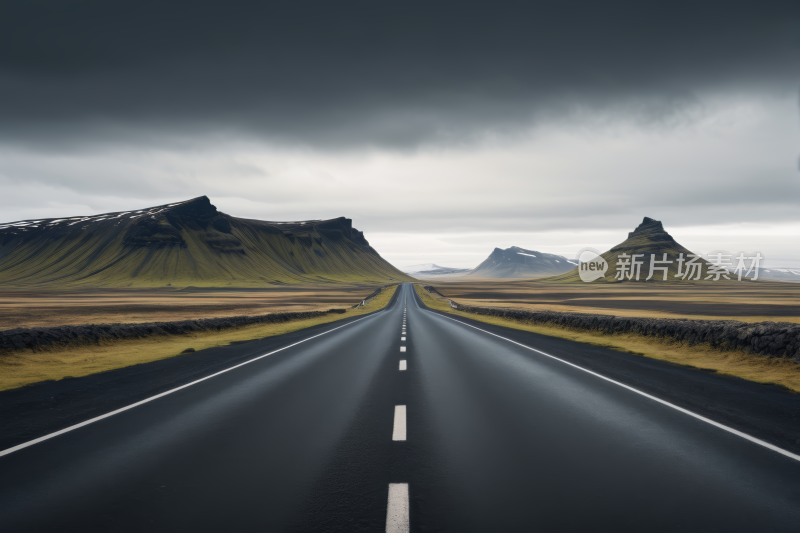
x=157 y=396
x=403 y=365
x=736 y=432
x=397 y=509
x=399 y=431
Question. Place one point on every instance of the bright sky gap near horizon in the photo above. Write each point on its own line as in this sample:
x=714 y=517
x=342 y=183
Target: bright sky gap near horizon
x=442 y=130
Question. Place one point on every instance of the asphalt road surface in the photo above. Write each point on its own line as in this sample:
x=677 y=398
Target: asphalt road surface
x=408 y=419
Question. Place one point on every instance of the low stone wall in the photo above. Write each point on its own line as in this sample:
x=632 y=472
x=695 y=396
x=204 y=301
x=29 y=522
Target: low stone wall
x=433 y=290
x=34 y=338
x=373 y=295
x=768 y=339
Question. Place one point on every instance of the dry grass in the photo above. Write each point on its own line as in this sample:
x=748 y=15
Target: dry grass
x=28 y=367
x=26 y=309
x=731 y=362
x=748 y=302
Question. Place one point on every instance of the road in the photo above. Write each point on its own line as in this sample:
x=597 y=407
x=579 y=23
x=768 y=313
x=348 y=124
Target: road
x=411 y=420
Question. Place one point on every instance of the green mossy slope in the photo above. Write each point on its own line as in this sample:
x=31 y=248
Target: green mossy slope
x=185 y=244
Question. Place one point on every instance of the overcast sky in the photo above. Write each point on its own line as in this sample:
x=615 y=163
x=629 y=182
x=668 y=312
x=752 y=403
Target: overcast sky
x=443 y=129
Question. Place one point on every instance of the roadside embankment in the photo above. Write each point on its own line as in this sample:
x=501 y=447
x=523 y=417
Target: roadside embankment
x=368 y=299
x=765 y=352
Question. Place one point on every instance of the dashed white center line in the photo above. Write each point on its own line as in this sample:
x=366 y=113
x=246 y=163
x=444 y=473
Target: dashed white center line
x=397 y=509
x=399 y=432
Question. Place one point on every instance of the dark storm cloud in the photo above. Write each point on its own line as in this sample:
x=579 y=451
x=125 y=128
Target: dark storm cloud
x=378 y=72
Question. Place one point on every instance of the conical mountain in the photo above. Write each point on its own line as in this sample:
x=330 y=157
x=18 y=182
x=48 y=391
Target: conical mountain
x=518 y=262
x=187 y=243
x=647 y=239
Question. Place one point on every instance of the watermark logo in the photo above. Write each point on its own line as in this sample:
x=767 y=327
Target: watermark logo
x=591 y=265
x=690 y=267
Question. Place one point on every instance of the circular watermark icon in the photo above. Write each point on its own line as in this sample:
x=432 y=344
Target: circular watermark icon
x=591 y=265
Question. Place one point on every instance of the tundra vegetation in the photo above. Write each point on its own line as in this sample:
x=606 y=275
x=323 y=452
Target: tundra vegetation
x=80 y=357
x=708 y=356
x=49 y=308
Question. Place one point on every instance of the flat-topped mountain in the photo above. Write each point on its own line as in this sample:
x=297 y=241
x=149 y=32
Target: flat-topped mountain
x=648 y=238
x=518 y=262
x=187 y=243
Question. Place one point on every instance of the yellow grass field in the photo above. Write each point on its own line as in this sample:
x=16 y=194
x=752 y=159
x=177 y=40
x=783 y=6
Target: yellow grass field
x=726 y=300
x=26 y=367
x=734 y=363
x=32 y=308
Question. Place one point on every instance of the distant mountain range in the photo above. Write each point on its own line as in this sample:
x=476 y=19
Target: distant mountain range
x=430 y=269
x=780 y=274
x=647 y=238
x=187 y=243
x=518 y=262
